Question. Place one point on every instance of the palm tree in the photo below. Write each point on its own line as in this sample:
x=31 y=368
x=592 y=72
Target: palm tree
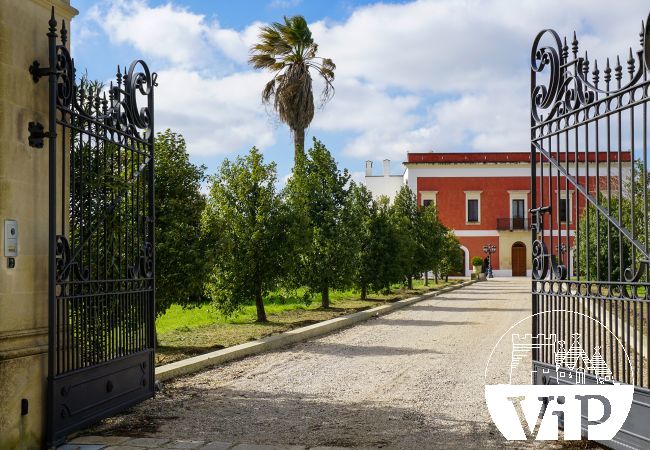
x=289 y=51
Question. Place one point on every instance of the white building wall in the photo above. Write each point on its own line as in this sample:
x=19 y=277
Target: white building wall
x=388 y=186
x=383 y=185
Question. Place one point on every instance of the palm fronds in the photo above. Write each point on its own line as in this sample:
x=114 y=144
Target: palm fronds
x=288 y=50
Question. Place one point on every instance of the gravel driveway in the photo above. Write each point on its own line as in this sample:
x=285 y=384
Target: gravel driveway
x=410 y=379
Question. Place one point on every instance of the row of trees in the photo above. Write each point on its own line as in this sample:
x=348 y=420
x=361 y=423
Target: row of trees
x=602 y=251
x=322 y=231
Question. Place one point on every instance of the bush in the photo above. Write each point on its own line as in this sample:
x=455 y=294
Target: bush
x=477 y=261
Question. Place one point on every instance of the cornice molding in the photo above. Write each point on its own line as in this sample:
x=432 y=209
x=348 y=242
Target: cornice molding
x=62 y=8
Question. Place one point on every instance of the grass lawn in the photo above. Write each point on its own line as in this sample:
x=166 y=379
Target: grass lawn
x=183 y=333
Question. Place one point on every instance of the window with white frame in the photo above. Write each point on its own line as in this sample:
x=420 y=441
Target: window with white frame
x=428 y=197
x=473 y=207
x=518 y=209
x=564 y=207
x=518 y=204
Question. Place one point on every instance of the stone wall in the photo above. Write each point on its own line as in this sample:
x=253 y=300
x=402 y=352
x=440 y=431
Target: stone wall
x=23 y=197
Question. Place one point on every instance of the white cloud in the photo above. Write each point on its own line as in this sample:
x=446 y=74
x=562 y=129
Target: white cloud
x=235 y=45
x=216 y=115
x=417 y=76
x=359 y=106
x=217 y=110
x=167 y=31
x=451 y=45
x=460 y=69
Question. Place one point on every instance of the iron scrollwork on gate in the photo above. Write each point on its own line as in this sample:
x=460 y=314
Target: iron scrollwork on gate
x=591 y=233
x=101 y=239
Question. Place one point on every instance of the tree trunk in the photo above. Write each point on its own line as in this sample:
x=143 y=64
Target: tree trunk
x=426 y=278
x=259 y=304
x=364 y=292
x=410 y=282
x=325 y=297
x=435 y=276
x=298 y=145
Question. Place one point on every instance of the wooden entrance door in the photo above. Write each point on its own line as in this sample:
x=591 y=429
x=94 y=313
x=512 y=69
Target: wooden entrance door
x=518 y=259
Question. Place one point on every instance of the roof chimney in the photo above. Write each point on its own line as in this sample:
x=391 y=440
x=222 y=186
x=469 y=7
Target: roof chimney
x=386 y=167
x=368 y=168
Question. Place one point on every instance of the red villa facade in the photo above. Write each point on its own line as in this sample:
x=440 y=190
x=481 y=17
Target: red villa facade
x=485 y=198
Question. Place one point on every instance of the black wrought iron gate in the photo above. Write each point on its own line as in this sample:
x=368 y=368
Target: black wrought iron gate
x=101 y=239
x=590 y=180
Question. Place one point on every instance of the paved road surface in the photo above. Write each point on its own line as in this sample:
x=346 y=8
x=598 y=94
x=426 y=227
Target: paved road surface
x=410 y=379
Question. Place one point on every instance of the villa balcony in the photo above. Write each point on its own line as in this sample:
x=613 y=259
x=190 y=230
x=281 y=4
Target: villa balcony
x=512 y=224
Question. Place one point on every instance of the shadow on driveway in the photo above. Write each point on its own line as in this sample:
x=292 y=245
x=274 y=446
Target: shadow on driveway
x=233 y=415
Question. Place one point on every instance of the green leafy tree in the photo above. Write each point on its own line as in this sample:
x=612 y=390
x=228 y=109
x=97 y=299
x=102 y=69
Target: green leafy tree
x=430 y=235
x=251 y=220
x=180 y=254
x=317 y=195
x=362 y=211
x=404 y=216
x=383 y=251
x=595 y=259
x=288 y=51
x=452 y=256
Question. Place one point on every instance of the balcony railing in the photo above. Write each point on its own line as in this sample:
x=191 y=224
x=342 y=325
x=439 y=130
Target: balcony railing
x=512 y=223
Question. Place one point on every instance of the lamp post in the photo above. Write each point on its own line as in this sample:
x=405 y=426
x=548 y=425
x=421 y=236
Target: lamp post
x=489 y=249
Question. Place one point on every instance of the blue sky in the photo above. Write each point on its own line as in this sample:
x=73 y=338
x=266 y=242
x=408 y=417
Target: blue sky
x=424 y=75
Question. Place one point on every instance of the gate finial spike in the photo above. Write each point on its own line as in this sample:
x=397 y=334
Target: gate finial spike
x=118 y=75
x=630 y=64
x=82 y=95
x=585 y=65
x=565 y=50
x=104 y=104
x=52 y=22
x=618 y=70
x=642 y=33
x=574 y=45
x=596 y=73
x=64 y=33
x=97 y=101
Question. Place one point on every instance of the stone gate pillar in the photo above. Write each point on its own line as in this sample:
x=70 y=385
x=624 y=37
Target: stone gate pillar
x=24 y=198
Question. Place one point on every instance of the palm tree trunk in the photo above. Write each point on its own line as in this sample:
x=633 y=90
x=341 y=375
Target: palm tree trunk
x=298 y=144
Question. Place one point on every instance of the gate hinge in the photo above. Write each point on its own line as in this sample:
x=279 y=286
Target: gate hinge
x=37 y=71
x=37 y=134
